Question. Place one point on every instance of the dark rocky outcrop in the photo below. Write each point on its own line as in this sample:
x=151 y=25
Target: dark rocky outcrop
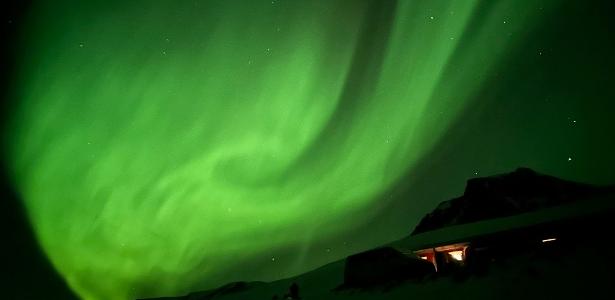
x=383 y=266
x=523 y=190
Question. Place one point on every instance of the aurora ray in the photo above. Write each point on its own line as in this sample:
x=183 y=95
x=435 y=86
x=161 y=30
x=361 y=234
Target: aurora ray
x=154 y=141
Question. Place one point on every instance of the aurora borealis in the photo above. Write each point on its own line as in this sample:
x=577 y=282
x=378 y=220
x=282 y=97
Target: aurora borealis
x=161 y=146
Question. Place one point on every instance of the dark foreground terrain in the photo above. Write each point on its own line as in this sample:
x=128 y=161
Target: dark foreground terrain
x=525 y=208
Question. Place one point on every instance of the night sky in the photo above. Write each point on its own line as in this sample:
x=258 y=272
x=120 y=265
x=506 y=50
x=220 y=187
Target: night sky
x=159 y=147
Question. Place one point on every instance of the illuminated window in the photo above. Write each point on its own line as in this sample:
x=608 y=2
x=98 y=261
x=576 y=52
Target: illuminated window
x=456 y=255
x=549 y=240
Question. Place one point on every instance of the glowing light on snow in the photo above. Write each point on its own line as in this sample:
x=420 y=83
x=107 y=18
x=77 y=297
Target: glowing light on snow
x=456 y=255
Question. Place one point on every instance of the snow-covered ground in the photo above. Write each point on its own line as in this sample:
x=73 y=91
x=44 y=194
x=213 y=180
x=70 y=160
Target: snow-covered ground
x=583 y=269
x=582 y=272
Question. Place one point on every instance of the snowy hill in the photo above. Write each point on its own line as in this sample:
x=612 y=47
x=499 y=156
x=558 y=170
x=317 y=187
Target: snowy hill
x=578 y=265
x=569 y=274
x=504 y=195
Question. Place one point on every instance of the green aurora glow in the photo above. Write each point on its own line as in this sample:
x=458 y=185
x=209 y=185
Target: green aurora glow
x=157 y=142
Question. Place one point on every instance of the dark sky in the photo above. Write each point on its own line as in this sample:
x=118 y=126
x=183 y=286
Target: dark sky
x=159 y=147
x=26 y=274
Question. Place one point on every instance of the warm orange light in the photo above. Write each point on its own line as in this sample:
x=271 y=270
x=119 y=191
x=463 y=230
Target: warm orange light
x=549 y=240
x=456 y=255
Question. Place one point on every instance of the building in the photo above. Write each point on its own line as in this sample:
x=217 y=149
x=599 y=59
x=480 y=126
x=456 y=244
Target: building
x=445 y=255
x=507 y=214
x=488 y=240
